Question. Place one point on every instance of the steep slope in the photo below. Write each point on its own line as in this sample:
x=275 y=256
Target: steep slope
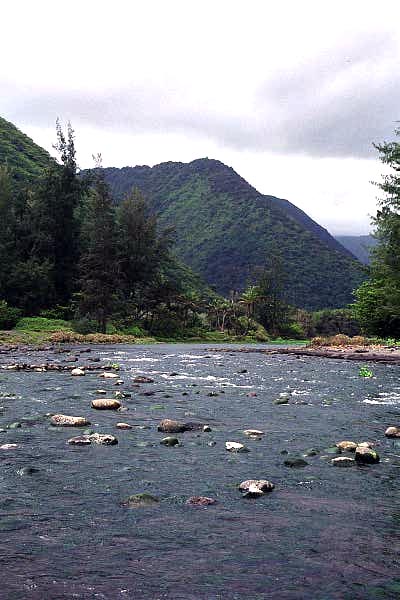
x=359 y=245
x=225 y=230
x=25 y=159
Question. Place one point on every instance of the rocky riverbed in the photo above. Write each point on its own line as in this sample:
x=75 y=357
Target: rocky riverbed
x=197 y=475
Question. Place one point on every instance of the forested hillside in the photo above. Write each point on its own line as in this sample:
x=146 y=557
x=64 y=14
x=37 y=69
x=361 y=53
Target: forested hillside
x=227 y=231
x=359 y=245
x=25 y=159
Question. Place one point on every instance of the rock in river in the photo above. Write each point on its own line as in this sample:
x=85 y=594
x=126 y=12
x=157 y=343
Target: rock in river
x=257 y=486
x=200 y=501
x=108 y=375
x=104 y=439
x=235 y=447
x=392 y=432
x=343 y=461
x=68 y=421
x=143 y=379
x=123 y=426
x=346 y=445
x=295 y=462
x=253 y=432
x=80 y=440
x=170 y=441
x=171 y=426
x=366 y=455
x=78 y=372
x=140 y=501
x=106 y=404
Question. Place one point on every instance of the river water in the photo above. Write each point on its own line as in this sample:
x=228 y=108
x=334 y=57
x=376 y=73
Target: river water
x=324 y=533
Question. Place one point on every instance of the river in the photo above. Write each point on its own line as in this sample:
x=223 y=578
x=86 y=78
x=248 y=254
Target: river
x=323 y=533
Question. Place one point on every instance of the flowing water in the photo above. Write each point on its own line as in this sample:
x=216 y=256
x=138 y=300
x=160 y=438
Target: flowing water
x=324 y=533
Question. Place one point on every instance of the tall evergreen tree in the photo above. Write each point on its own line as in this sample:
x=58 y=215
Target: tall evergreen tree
x=143 y=250
x=99 y=267
x=55 y=224
x=377 y=304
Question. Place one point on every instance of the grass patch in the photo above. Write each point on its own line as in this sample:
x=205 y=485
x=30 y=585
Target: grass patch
x=41 y=324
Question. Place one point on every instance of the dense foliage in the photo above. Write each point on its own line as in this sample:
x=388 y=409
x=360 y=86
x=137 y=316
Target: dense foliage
x=378 y=300
x=227 y=231
x=25 y=159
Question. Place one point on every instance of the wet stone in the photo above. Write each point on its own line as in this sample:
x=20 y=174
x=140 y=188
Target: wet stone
x=143 y=379
x=280 y=401
x=123 y=426
x=343 y=461
x=392 y=432
x=366 y=455
x=171 y=426
x=170 y=441
x=140 y=501
x=28 y=471
x=262 y=485
x=347 y=446
x=295 y=463
x=15 y=425
x=80 y=440
x=78 y=372
x=106 y=404
x=235 y=447
x=68 y=421
x=200 y=501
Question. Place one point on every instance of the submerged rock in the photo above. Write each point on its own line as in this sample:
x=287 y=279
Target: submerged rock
x=106 y=404
x=283 y=400
x=140 y=501
x=206 y=428
x=171 y=426
x=68 y=421
x=366 y=455
x=78 y=372
x=253 y=432
x=143 y=379
x=392 y=432
x=347 y=446
x=235 y=447
x=8 y=446
x=170 y=441
x=15 y=425
x=27 y=471
x=80 y=440
x=200 y=501
x=311 y=452
x=107 y=375
x=343 y=461
x=101 y=391
x=295 y=462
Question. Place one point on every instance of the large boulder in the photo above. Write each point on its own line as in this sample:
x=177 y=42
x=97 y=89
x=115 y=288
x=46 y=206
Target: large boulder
x=171 y=426
x=262 y=485
x=366 y=455
x=106 y=404
x=347 y=446
x=392 y=432
x=68 y=421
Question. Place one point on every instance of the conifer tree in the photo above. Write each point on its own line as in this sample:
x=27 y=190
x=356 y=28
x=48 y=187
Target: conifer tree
x=99 y=268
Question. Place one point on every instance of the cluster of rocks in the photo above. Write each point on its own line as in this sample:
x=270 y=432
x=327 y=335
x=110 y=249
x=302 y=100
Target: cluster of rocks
x=363 y=454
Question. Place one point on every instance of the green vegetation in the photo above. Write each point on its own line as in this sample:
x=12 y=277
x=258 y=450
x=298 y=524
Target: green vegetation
x=25 y=160
x=227 y=231
x=377 y=305
x=364 y=372
x=74 y=262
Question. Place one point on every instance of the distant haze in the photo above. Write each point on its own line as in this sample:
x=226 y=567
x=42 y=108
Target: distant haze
x=292 y=96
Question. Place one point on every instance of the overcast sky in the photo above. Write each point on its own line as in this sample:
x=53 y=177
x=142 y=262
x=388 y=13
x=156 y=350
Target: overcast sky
x=291 y=94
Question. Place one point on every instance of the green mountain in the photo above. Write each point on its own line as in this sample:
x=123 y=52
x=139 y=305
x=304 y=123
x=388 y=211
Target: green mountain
x=25 y=159
x=359 y=245
x=226 y=231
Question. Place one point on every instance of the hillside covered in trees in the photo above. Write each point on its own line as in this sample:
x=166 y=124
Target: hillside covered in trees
x=227 y=232
x=359 y=245
x=25 y=159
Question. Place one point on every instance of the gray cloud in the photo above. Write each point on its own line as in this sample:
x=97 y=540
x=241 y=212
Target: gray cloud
x=334 y=105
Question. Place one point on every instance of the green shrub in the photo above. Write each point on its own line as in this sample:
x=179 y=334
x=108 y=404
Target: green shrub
x=8 y=315
x=42 y=324
x=85 y=326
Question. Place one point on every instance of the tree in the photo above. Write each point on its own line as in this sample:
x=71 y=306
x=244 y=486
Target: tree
x=55 y=223
x=99 y=268
x=273 y=312
x=377 y=305
x=143 y=251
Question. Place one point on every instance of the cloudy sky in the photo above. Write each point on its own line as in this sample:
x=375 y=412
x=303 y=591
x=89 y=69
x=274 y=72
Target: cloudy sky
x=291 y=94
